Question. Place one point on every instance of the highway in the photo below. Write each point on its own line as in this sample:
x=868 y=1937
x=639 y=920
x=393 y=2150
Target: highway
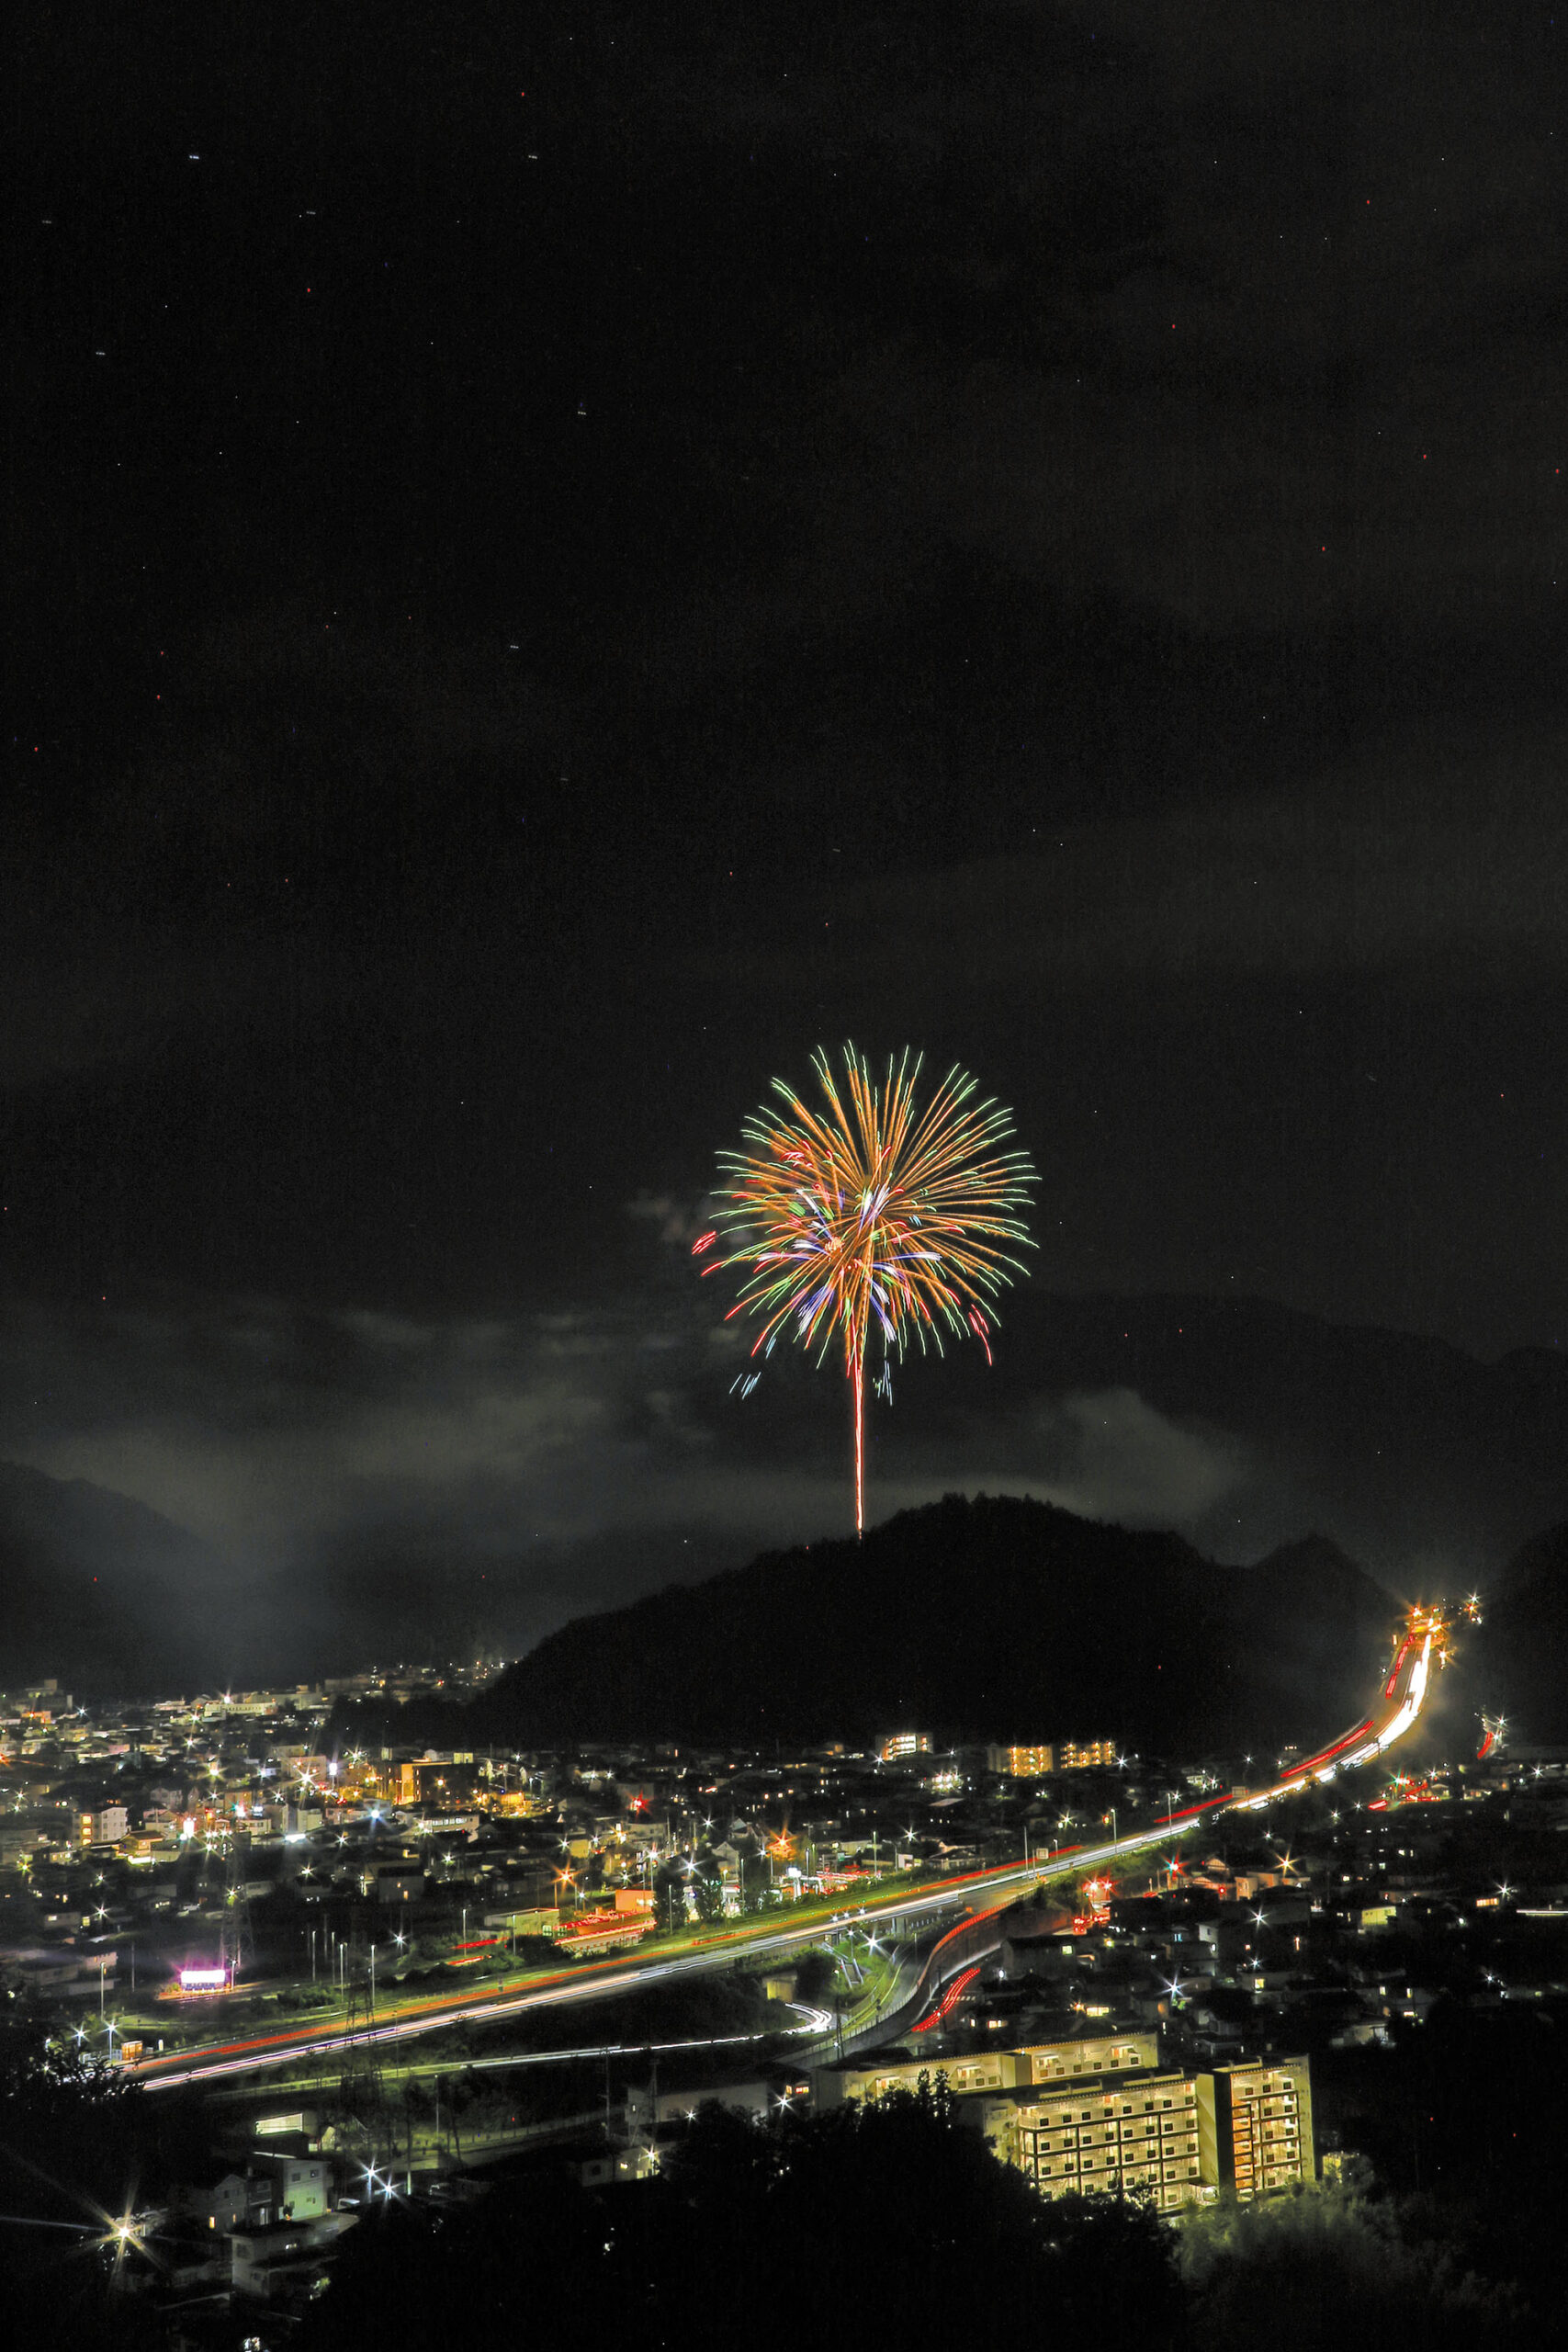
x=1422 y=1643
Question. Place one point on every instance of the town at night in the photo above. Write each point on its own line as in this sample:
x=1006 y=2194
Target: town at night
x=783 y=1420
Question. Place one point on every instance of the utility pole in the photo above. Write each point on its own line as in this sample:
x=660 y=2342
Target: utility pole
x=361 y=2082
x=236 y=1947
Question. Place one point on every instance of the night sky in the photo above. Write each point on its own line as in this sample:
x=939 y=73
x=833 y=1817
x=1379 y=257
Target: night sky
x=562 y=557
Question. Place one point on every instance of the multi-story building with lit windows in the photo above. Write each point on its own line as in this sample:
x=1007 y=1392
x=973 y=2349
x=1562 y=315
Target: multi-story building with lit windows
x=1103 y=2113
x=989 y=2070
x=1028 y=1761
x=1021 y=1763
x=1112 y=2135
x=899 y=1744
x=103 y=1825
x=1255 y=2125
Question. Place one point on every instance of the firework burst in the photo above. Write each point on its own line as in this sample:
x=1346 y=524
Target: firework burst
x=873 y=1216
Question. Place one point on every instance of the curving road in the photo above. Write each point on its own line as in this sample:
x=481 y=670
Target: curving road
x=1423 y=1641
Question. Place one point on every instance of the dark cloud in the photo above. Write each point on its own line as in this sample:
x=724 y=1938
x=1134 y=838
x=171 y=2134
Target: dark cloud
x=302 y=1445
x=358 y=1479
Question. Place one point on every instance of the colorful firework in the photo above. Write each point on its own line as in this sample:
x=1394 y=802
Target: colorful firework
x=873 y=1214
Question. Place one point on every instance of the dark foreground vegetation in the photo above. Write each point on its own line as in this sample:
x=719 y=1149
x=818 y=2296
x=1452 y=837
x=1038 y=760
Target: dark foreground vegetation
x=893 y=2224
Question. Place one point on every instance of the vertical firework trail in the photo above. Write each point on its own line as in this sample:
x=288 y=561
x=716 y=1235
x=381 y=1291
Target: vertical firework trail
x=872 y=1213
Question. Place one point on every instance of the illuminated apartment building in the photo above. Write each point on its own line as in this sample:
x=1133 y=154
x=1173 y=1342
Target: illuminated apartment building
x=1255 y=2125
x=989 y=2070
x=899 y=1744
x=1021 y=1763
x=1112 y=2135
x=1100 y=2113
x=1086 y=1755
x=103 y=1825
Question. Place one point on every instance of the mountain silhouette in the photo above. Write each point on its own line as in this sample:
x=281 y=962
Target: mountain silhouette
x=1402 y=1447
x=1516 y=1665
x=102 y=1592
x=996 y=1618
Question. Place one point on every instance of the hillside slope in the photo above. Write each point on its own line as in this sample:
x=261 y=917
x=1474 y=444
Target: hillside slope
x=1000 y=1618
x=1517 y=1665
x=98 y=1590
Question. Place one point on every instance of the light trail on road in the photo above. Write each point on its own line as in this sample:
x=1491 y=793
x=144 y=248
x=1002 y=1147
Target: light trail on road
x=817 y=2021
x=1400 y=1700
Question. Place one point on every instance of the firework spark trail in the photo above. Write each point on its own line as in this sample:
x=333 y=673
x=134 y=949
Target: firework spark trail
x=872 y=1214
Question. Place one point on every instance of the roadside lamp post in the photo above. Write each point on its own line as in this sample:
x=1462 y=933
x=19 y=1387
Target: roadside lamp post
x=1112 y=1819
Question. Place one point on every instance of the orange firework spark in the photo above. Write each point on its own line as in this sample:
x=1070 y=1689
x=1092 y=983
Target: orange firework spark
x=870 y=1215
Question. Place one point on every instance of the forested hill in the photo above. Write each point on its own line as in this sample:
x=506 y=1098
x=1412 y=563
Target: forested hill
x=1517 y=1665
x=1000 y=1617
